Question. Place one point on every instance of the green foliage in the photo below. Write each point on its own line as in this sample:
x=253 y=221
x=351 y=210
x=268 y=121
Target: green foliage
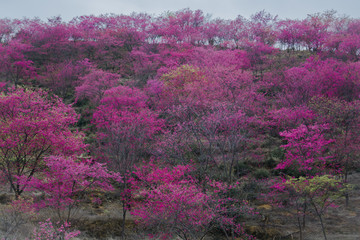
x=261 y=173
x=241 y=169
x=277 y=153
x=319 y=188
x=294 y=172
x=270 y=163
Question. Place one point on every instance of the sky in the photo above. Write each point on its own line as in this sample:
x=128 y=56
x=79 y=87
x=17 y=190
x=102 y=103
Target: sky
x=226 y=9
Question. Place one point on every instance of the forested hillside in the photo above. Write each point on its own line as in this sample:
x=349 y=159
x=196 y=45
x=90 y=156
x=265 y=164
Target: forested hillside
x=179 y=126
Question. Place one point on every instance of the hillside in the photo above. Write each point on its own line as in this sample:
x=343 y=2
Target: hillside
x=180 y=126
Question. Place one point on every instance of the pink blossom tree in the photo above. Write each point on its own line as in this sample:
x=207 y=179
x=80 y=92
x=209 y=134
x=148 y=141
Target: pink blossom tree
x=64 y=182
x=94 y=84
x=15 y=67
x=306 y=150
x=47 y=230
x=62 y=78
x=343 y=118
x=33 y=125
x=289 y=33
x=171 y=203
x=126 y=127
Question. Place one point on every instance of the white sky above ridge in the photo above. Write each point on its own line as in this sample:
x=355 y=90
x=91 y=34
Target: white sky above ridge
x=226 y=9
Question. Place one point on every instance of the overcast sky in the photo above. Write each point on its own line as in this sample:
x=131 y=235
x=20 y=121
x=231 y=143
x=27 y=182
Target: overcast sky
x=227 y=9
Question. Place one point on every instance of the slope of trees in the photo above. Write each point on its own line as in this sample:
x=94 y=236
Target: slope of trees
x=187 y=113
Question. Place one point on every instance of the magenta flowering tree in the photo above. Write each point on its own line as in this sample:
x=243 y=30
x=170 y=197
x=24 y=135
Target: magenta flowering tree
x=348 y=47
x=289 y=118
x=47 y=230
x=315 y=29
x=33 y=125
x=334 y=79
x=184 y=26
x=329 y=78
x=49 y=40
x=299 y=87
x=65 y=180
x=344 y=43
x=343 y=119
x=94 y=84
x=15 y=67
x=214 y=139
x=306 y=149
x=184 y=87
x=63 y=77
x=261 y=28
x=126 y=128
x=222 y=137
x=170 y=203
x=259 y=55
x=223 y=76
x=125 y=125
x=289 y=33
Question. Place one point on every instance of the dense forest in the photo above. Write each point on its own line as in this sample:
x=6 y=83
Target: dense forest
x=189 y=127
